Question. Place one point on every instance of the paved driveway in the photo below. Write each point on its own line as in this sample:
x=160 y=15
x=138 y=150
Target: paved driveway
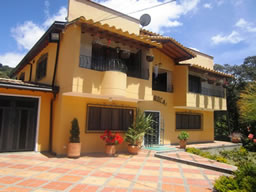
x=22 y=172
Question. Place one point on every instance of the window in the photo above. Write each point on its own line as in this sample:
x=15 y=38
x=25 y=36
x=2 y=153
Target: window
x=22 y=76
x=188 y=121
x=162 y=81
x=102 y=118
x=194 y=84
x=41 y=67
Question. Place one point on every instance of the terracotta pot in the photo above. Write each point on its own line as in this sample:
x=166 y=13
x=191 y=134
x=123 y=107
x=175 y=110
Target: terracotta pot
x=133 y=149
x=74 y=150
x=150 y=58
x=235 y=140
x=183 y=144
x=110 y=149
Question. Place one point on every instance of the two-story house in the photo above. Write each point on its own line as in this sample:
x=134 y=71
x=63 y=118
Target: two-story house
x=99 y=67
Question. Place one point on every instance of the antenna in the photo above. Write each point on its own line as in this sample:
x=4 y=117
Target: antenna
x=145 y=20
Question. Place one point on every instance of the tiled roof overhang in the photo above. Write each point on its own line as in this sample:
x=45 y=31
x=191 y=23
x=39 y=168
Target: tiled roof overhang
x=211 y=71
x=39 y=46
x=172 y=48
x=116 y=33
x=18 y=84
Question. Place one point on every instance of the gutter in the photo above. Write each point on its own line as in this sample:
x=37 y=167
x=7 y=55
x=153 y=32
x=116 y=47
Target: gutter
x=24 y=87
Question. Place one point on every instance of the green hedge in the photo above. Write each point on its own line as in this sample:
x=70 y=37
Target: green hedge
x=243 y=180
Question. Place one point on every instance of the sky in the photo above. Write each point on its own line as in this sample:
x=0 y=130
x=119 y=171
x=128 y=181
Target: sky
x=224 y=29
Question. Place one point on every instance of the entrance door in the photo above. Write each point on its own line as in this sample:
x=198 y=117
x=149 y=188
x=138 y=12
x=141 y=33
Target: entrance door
x=153 y=138
x=18 y=117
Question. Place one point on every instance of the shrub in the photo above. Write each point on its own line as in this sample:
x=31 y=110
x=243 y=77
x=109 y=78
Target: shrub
x=225 y=184
x=74 y=132
x=206 y=154
x=249 y=144
x=183 y=135
x=239 y=156
x=243 y=180
x=193 y=150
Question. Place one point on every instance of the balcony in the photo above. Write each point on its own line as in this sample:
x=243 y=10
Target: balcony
x=101 y=64
x=192 y=93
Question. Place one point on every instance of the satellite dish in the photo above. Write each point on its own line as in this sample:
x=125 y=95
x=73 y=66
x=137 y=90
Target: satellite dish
x=145 y=20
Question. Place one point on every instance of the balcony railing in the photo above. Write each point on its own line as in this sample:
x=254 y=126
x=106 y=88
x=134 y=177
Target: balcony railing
x=102 y=64
x=213 y=92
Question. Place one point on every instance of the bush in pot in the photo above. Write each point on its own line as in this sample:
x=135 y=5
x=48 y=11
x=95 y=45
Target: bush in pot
x=135 y=134
x=111 y=140
x=74 y=146
x=183 y=137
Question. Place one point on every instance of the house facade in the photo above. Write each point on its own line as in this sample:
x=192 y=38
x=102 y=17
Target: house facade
x=99 y=67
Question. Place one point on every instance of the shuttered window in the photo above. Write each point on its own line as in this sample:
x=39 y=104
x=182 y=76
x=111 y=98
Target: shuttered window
x=102 y=118
x=194 y=84
x=188 y=121
x=41 y=67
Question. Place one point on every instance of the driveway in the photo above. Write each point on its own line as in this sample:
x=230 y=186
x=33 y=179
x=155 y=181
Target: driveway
x=22 y=172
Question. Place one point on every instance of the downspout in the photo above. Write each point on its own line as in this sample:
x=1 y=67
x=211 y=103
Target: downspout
x=51 y=122
x=54 y=97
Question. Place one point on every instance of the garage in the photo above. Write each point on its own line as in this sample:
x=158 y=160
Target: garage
x=18 y=123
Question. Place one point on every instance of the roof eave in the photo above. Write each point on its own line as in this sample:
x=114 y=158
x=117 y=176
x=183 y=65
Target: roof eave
x=45 y=37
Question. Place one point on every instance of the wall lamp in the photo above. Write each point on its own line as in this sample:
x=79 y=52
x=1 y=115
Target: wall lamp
x=54 y=37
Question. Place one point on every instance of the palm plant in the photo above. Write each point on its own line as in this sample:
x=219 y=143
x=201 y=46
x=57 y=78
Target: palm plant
x=141 y=126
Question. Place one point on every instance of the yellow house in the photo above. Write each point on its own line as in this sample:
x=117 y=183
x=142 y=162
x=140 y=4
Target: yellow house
x=100 y=70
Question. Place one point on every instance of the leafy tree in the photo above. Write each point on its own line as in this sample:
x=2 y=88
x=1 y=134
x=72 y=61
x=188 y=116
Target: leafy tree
x=247 y=103
x=5 y=71
x=243 y=75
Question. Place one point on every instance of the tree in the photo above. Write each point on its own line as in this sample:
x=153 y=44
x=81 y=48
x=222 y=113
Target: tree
x=243 y=75
x=5 y=71
x=247 y=103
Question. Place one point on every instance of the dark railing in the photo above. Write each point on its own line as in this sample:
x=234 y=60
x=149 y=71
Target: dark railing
x=217 y=92
x=102 y=64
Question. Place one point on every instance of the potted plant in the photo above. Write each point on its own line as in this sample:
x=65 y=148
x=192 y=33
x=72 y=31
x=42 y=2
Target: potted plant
x=74 y=146
x=219 y=82
x=111 y=140
x=211 y=80
x=183 y=137
x=236 y=137
x=135 y=134
x=225 y=84
x=125 y=54
x=150 y=58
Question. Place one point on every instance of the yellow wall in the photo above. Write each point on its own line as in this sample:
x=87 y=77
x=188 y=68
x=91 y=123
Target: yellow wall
x=76 y=107
x=201 y=59
x=51 y=50
x=44 y=118
x=82 y=80
x=90 y=10
x=207 y=130
x=206 y=102
x=26 y=71
x=180 y=84
x=177 y=98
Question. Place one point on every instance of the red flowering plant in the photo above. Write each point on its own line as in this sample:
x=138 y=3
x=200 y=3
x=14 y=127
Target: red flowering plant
x=250 y=136
x=111 y=139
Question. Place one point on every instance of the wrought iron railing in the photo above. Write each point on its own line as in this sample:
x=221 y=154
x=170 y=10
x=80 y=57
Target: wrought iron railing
x=102 y=64
x=216 y=92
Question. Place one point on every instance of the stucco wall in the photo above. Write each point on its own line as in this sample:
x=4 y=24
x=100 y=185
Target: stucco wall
x=50 y=49
x=96 y=12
